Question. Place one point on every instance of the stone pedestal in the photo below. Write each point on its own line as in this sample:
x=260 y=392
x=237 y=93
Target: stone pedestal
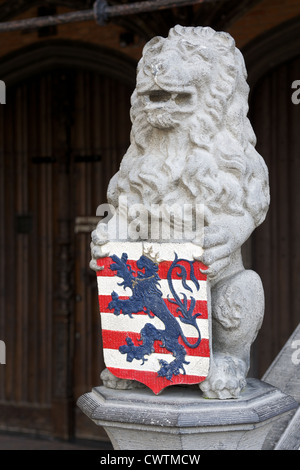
x=181 y=419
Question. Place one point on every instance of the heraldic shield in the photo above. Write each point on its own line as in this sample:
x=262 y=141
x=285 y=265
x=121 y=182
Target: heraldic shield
x=155 y=313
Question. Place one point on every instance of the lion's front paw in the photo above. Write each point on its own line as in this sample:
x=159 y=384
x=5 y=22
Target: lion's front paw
x=100 y=234
x=99 y=239
x=226 y=379
x=216 y=250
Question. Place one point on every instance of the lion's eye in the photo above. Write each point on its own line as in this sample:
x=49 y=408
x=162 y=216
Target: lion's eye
x=159 y=96
x=183 y=99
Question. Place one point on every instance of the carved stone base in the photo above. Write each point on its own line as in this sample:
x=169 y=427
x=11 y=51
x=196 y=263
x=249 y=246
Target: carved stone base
x=181 y=419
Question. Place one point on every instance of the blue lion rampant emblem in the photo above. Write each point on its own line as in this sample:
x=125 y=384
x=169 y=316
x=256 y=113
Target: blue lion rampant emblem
x=148 y=298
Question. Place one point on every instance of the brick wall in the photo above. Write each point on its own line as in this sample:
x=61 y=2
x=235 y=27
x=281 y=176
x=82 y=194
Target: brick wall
x=88 y=32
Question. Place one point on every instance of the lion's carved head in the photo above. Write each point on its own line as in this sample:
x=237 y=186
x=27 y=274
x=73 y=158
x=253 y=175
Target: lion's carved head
x=191 y=138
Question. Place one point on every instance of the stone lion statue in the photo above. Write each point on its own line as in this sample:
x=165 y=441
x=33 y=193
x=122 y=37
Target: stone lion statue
x=192 y=142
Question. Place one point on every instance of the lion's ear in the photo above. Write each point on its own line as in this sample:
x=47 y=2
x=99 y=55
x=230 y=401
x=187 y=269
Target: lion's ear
x=153 y=46
x=227 y=40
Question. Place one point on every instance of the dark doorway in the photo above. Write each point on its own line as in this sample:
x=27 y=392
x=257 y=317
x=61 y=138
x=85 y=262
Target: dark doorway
x=276 y=248
x=63 y=133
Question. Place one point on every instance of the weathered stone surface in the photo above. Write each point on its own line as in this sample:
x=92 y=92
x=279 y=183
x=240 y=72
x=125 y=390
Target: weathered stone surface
x=180 y=418
x=290 y=439
x=284 y=372
x=192 y=144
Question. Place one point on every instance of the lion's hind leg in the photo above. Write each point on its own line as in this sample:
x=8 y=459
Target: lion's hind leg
x=237 y=311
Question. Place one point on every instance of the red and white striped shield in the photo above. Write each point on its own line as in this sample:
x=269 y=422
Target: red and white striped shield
x=155 y=313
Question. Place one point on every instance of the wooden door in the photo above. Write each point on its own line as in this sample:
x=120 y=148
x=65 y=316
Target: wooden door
x=27 y=260
x=276 y=247
x=62 y=135
x=100 y=139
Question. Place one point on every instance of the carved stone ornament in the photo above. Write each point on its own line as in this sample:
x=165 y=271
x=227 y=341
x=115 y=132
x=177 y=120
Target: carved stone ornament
x=191 y=167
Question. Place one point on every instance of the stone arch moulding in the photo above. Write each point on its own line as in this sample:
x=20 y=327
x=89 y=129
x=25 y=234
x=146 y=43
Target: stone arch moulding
x=28 y=61
x=271 y=49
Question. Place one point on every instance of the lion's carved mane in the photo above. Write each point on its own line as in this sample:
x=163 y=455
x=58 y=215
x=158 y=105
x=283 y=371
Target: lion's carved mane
x=201 y=147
